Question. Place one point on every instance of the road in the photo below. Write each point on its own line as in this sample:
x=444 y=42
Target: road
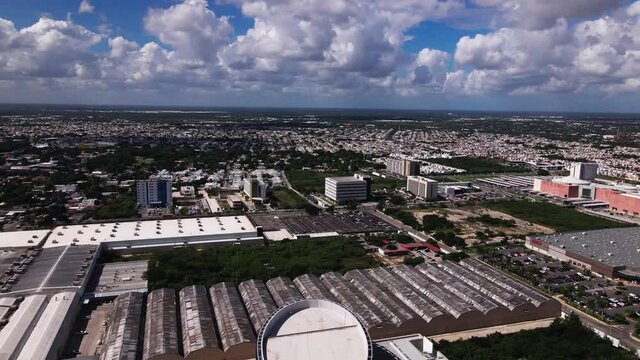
x=620 y=332
x=398 y=224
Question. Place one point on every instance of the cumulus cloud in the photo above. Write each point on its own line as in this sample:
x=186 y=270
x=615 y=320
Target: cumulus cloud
x=85 y=7
x=339 y=47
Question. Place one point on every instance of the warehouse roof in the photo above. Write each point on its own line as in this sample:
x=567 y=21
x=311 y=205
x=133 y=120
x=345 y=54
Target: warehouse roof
x=193 y=228
x=16 y=331
x=613 y=247
x=121 y=342
x=161 y=327
x=16 y=239
x=233 y=323
x=258 y=302
x=312 y=288
x=314 y=329
x=45 y=335
x=198 y=330
x=283 y=291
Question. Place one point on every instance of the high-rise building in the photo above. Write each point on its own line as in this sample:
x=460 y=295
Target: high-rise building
x=403 y=167
x=422 y=187
x=255 y=188
x=347 y=188
x=584 y=171
x=155 y=192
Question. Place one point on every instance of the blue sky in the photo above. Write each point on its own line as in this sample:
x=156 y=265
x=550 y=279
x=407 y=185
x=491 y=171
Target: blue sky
x=457 y=54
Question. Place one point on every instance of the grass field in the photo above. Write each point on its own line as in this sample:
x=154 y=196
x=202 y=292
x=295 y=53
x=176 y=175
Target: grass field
x=479 y=165
x=180 y=267
x=553 y=216
x=284 y=198
x=307 y=181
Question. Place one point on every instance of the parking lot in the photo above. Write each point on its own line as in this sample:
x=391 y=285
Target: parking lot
x=343 y=223
x=609 y=300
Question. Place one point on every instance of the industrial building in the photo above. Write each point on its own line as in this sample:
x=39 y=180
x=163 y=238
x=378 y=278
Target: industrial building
x=258 y=301
x=422 y=187
x=403 y=167
x=233 y=324
x=199 y=341
x=614 y=253
x=22 y=239
x=314 y=329
x=255 y=188
x=283 y=291
x=155 y=192
x=347 y=188
x=123 y=335
x=134 y=236
x=161 y=327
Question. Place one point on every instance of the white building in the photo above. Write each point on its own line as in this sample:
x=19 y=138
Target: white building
x=255 y=188
x=403 y=167
x=584 y=171
x=154 y=192
x=347 y=188
x=187 y=191
x=422 y=187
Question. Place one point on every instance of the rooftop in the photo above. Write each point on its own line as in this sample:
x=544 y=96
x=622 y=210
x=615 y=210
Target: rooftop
x=16 y=239
x=150 y=230
x=613 y=247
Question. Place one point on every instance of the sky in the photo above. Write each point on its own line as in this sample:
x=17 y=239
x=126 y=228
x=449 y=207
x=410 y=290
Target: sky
x=511 y=55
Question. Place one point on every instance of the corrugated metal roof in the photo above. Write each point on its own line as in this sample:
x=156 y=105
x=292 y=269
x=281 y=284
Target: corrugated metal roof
x=353 y=299
x=283 y=291
x=161 y=325
x=198 y=330
x=506 y=282
x=423 y=306
x=495 y=292
x=258 y=302
x=394 y=309
x=121 y=342
x=311 y=287
x=451 y=283
x=445 y=299
x=44 y=341
x=233 y=323
x=19 y=325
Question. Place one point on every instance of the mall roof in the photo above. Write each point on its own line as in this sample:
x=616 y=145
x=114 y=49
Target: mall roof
x=193 y=228
x=16 y=239
x=613 y=247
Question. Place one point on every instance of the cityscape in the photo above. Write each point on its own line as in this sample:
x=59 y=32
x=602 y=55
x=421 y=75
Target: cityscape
x=319 y=180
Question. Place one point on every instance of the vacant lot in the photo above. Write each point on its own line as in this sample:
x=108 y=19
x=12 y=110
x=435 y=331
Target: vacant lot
x=556 y=217
x=180 y=267
x=307 y=181
x=284 y=198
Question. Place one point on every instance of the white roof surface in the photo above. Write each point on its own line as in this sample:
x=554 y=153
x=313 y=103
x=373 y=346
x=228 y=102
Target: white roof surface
x=15 y=239
x=45 y=333
x=19 y=324
x=324 y=331
x=93 y=234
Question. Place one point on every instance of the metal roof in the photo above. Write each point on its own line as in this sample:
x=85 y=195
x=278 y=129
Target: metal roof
x=20 y=324
x=505 y=281
x=161 y=325
x=464 y=291
x=312 y=288
x=258 y=302
x=423 y=306
x=121 y=341
x=198 y=330
x=283 y=291
x=623 y=245
x=45 y=339
x=445 y=299
x=495 y=292
x=392 y=307
x=233 y=323
x=353 y=299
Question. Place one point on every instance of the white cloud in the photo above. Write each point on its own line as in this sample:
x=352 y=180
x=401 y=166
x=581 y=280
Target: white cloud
x=86 y=7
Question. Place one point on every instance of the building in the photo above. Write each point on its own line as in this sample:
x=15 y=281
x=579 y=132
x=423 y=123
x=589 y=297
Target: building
x=314 y=329
x=403 y=167
x=422 y=187
x=566 y=187
x=412 y=347
x=614 y=253
x=155 y=192
x=199 y=341
x=187 y=191
x=347 y=188
x=161 y=327
x=235 y=202
x=255 y=188
x=123 y=334
x=584 y=171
